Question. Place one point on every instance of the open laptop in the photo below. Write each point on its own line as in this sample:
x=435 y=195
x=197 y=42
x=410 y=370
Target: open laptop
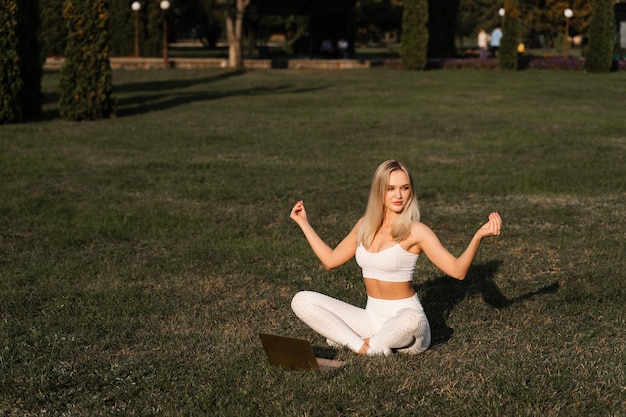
x=292 y=353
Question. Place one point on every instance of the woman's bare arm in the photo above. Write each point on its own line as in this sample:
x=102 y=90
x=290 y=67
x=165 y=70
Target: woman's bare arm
x=330 y=258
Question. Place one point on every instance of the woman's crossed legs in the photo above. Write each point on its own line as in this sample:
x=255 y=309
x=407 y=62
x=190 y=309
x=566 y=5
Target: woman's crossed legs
x=382 y=326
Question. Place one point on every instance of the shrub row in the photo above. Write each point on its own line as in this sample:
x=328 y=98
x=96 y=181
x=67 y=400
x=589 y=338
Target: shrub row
x=523 y=62
x=601 y=37
x=86 y=76
x=20 y=61
x=414 y=47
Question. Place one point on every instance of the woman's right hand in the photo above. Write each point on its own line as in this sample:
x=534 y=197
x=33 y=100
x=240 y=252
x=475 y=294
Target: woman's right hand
x=298 y=213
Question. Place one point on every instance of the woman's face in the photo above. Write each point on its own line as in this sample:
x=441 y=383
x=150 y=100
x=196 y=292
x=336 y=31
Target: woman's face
x=398 y=191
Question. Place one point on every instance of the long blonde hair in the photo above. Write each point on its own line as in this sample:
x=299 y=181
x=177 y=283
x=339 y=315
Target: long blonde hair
x=375 y=210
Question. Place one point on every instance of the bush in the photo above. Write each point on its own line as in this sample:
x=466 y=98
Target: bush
x=86 y=77
x=122 y=28
x=601 y=37
x=558 y=63
x=10 y=75
x=472 y=63
x=510 y=36
x=20 y=62
x=414 y=46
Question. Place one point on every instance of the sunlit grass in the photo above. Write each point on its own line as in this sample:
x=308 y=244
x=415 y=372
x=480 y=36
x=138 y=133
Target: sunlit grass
x=140 y=256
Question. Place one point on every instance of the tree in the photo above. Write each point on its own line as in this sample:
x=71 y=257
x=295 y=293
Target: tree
x=510 y=36
x=414 y=46
x=11 y=81
x=234 y=12
x=20 y=60
x=122 y=28
x=86 y=77
x=377 y=16
x=601 y=37
x=545 y=17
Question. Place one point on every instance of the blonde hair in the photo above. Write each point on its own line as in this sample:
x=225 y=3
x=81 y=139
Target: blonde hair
x=375 y=210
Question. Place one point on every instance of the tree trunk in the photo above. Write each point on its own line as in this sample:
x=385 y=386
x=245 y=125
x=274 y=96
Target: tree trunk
x=234 y=31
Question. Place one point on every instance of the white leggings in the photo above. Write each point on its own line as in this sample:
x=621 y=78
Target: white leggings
x=389 y=324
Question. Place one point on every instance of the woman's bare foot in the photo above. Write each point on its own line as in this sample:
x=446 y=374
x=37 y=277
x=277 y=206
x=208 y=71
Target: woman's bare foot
x=365 y=347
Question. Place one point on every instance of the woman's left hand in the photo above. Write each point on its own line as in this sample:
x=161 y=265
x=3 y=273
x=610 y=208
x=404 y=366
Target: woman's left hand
x=492 y=227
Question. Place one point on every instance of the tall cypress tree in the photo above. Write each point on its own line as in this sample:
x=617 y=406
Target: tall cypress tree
x=510 y=36
x=86 y=76
x=601 y=37
x=11 y=82
x=414 y=46
x=20 y=60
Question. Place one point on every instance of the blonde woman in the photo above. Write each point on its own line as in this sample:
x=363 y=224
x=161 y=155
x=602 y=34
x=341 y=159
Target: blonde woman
x=386 y=243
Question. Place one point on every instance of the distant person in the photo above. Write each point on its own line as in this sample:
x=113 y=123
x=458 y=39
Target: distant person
x=327 y=48
x=386 y=243
x=496 y=37
x=483 y=47
x=343 y=48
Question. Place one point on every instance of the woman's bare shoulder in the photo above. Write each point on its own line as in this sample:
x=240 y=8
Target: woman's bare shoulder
x=420 y=233
x=418 y=228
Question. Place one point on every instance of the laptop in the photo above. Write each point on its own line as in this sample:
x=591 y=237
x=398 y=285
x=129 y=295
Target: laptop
x=292 y=353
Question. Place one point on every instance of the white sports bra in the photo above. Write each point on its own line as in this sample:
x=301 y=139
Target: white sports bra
x=393 y=264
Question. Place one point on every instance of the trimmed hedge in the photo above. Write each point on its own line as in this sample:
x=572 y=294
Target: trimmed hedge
x=414 y=46
x=601 y=37
x=20 y=61
x=122 y=28
x=510 y=36
x=11 y=82
x=86 y=76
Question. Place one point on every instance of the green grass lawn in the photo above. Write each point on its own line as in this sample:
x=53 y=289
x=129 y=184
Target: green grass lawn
x=140 y=256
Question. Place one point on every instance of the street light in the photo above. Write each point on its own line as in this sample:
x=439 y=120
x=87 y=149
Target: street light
x=568 y=13
x=136 y=6
x=501 y=13
x=164 y=6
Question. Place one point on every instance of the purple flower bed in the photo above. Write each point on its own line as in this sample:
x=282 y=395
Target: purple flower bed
x=524 y=62
x=476 y=63
x=559 y=63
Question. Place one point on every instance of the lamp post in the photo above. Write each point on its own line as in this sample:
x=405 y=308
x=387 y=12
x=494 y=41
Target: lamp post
x=136 y=6
x=568 y=13
x=164 y=6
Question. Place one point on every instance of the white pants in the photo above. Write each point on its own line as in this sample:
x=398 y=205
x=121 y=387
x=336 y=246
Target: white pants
x=389 y=324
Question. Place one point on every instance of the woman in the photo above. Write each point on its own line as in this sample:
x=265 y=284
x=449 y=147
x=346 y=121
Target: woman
x=386 y=243
x=483 y=44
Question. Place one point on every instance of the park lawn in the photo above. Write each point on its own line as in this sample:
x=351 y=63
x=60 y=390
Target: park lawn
x=140 y=256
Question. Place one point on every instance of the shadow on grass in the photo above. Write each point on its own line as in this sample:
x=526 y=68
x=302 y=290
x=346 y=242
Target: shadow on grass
x=441 y=295
x=170 y=95
x=173 y=84
x=141 y=104
x=138 y=98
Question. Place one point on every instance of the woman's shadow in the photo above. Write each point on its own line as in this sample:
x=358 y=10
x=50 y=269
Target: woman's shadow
x=440 y=296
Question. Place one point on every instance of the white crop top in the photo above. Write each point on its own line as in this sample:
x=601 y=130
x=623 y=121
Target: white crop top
x=393 y=264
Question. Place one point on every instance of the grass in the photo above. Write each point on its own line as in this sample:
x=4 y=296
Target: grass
x=140 y=256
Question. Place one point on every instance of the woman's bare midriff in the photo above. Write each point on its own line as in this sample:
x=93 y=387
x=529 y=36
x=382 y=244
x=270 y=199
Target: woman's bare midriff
x=385 y=290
